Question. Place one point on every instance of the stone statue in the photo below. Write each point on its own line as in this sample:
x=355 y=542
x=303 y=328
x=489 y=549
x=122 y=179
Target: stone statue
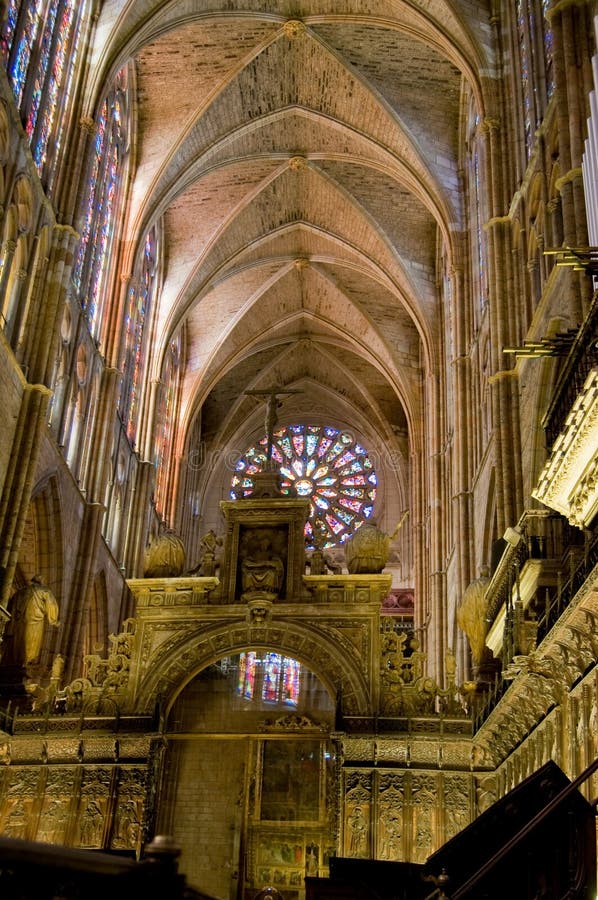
x=262 y=569
x=321 y=563
x=272 y=405
x=31 y=608
x=208 y=549
x=366 y=551
x=165 y=556
x=471 y=617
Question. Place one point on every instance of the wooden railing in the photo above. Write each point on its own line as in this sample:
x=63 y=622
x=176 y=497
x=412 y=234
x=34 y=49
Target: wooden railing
x=35 y=871
x=582 y=357
x=471 y=887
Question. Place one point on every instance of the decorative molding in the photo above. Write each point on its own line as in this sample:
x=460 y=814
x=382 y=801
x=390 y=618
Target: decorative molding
x=568 y=482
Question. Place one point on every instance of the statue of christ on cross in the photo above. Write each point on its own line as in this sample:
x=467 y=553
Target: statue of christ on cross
x=272 y=405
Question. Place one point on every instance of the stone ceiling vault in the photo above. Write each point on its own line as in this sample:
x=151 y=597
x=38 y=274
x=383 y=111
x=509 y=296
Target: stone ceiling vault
x=302 y=159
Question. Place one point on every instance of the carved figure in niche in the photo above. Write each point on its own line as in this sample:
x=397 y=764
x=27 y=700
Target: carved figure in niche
x=472 y=618
x=31 y=607
x=262 y=568
x=357 y=832
x=128 y=826
x=389 y=833
x=51 y=827
x=165 y=556
x=91 y=825
x=311 y=859
x=366 y=551
x=15 y=823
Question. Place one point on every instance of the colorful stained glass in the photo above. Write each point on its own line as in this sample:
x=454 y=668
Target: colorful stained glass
x=21 y=56
x=99 y=209
x=165 y=417
x=56 y=82
x=535 y=61
x=10 y=24
x=291 y=673
x=39 y=46
x=247 y=671
x=45 y=50
x=326 y=466
x=548 y=49
x=269 y=677
x=133 y=351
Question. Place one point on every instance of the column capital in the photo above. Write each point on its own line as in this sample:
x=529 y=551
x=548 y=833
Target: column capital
x=497 y=220
x=568 y=177
x=87 y=124
x=488 y=125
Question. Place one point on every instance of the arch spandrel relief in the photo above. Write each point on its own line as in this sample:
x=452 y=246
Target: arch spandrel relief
x=261 y=598
x=323 y=649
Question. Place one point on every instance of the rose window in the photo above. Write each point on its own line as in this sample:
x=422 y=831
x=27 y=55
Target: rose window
x=327 y=466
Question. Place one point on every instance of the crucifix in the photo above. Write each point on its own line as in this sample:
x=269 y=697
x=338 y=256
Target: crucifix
x=272 y=406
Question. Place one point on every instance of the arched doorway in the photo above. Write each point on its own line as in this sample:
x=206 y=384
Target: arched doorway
x=248 y=782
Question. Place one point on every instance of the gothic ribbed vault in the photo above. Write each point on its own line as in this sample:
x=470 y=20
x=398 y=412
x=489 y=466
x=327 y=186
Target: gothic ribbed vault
x=305 y=200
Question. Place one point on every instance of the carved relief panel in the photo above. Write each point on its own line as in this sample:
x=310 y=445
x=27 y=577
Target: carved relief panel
x=357 y=815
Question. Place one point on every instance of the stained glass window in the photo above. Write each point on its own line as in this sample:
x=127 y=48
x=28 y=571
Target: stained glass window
x=39 y=46
x=25 y=35
x=535 y=58
x=548 y=49
x=321 y=463
x=139 y=299
x=98 y=215
x=9 y=28
x=269 y=677
x=165 y=417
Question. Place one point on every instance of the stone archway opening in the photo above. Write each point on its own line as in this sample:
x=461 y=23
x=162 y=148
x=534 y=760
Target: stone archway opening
x=249 y=776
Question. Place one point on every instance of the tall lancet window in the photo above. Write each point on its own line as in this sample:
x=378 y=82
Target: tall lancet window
x=535 y=64
x=102 y=198
x=39 y=45
x=139 y=301
x=270 y=677
x=475 y=165
x=164 y=435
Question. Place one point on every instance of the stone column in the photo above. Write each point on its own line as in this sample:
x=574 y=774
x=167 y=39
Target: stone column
x=102 y=435
x=438 y=514
x=8 y=252
x=463 y=444
x=44 y=336
x=19 y=480
x=89 y=536
x=138 y=520
x=571 y=25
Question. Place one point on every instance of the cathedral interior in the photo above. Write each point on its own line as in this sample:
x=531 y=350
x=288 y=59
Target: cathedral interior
x=299 y=442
